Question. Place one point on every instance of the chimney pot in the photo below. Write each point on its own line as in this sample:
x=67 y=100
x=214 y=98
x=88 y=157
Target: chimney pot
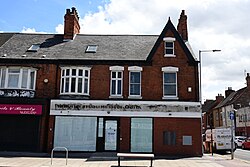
x=67 y=11
x=248 y=80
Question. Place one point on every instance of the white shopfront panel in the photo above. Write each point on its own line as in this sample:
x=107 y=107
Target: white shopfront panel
x=75 y=133
x=141 y=134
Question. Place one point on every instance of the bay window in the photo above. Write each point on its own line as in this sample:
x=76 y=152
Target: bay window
x=75 y=80
x=17 y=78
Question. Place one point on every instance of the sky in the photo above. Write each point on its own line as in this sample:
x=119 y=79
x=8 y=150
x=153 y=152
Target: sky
x=212 y=24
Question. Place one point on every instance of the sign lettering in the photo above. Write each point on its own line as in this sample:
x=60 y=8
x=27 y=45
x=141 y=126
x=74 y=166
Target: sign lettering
x=20 y=109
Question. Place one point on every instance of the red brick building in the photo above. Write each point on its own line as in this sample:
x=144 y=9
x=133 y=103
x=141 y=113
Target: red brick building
x=122 y=93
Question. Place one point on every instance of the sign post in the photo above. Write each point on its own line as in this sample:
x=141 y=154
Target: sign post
x=232 y=135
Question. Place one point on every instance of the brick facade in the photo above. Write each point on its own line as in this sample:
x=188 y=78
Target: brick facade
x=182 y=128
x=179 y=125
x=48 y=85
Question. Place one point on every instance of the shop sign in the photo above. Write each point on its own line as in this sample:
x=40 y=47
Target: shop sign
x=20 y=109
x=145 y=106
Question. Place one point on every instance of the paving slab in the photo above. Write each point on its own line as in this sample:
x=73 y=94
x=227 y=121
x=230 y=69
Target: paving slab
x=97 y=160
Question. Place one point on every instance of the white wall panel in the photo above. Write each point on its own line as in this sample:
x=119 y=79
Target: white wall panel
x=75 y=133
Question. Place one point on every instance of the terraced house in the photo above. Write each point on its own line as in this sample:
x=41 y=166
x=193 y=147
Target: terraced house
x=97 y=93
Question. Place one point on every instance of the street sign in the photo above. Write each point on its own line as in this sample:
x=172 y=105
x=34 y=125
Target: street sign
x=231 y=115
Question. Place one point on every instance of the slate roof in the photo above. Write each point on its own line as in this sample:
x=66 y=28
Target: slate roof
x=208 y=105
x=231 y=98
x=110 y=47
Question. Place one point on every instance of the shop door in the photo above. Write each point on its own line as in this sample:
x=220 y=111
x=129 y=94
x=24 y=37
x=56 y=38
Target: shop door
x=107 y=134
x=110 y=140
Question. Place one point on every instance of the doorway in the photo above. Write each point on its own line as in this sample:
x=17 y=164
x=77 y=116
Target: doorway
x=108 y=133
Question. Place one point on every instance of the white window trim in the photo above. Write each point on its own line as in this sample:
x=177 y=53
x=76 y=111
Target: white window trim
x=169 y=39
x=77 y=77
x=170 y=69
x=134 y=69
x=116 y=69
x=20 y=76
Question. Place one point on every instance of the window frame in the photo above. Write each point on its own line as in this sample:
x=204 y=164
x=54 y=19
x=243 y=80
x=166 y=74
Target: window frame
x=4 y=83
x=187 y=140
x=169 y=40
x=135 y=69
x=169 y=138
x=116 y=70
x=170 y=70
x=76 y=77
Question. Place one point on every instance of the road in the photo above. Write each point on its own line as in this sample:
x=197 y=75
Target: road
x=242 y=154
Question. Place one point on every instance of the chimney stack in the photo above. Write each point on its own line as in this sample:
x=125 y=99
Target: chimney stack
x=71 y=24
x=228 y=91
x=219 y=98
x=248 y=80
x=182 y=26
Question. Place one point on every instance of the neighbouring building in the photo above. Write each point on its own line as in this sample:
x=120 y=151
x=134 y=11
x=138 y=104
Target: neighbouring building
x=97 y=93
x=208 y=113
x=238 y=103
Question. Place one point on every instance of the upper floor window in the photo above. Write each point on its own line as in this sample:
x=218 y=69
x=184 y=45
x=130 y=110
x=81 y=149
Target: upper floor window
x=75 y=80
x=134 y=82
x=116 y=81
x=170 y=82
x=17 y=78
x=169 y=46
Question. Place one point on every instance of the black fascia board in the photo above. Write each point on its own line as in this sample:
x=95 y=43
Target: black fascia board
x=106 y=62
x=75 y=62
x=170 y=26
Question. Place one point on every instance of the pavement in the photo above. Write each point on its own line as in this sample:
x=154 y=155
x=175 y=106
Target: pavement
x=8 y=159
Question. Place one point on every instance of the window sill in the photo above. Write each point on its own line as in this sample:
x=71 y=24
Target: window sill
x=134 y=97
x=169 y=55
x=170 y=98
x=73 y=94
x=115 y=97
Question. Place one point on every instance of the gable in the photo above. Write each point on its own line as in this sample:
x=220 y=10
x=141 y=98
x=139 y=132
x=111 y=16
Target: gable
x=170 y=26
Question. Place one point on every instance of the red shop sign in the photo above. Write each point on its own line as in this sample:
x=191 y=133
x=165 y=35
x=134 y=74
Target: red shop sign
x=20 y=109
